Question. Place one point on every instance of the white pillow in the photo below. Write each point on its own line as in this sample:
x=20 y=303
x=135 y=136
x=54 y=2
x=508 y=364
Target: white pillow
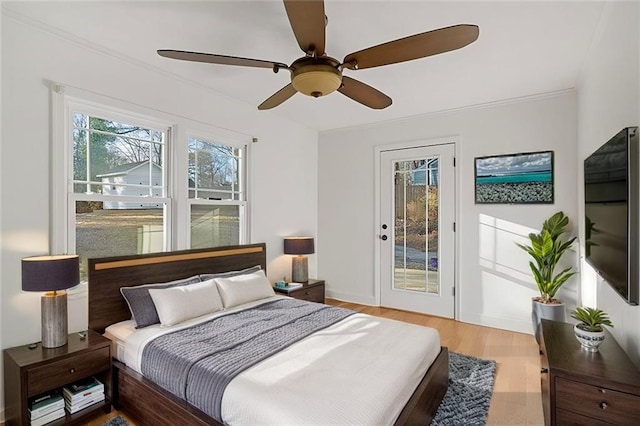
x=177 y=304
x=244 y=288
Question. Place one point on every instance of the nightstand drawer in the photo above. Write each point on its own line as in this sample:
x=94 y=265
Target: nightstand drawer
x=607 y=405
x=59 y=373
x=313 y=294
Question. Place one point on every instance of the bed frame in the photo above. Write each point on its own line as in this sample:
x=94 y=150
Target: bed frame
x=146 y=402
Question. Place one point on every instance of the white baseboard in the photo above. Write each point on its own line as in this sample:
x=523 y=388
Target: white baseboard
x=503 y=323
x=352 y=298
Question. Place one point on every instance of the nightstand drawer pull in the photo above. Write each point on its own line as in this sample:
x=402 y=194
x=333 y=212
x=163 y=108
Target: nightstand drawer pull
x=603 y=405
x=72 y=370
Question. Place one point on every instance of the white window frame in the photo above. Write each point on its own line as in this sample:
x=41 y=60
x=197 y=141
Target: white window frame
x=74 y=105
x=217 y=137
x=65 y=99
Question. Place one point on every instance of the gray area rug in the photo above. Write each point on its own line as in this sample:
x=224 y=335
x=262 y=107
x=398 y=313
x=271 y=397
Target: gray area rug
x=469 y=395
x=466 y=401
x=116 y=421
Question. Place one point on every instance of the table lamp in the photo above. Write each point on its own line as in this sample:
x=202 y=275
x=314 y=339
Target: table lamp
x=51 y=274
x=299 y=246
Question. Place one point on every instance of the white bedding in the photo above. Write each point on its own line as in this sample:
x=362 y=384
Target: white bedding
x=361 y=370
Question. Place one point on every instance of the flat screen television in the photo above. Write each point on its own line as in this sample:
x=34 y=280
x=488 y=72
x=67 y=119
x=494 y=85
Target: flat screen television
x=612 y=228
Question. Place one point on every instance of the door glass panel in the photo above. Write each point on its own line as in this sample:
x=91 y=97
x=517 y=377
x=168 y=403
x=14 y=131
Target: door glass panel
x=416 y=226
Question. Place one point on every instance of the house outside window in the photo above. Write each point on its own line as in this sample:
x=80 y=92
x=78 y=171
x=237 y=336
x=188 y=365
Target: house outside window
x=426 y=174
x=119 y=199
x=127 y=190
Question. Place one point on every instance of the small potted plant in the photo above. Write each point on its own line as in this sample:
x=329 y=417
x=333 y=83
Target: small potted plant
x=589 y=331
x=546 y=249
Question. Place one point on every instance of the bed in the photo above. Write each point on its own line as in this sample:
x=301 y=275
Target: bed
x=312 y=371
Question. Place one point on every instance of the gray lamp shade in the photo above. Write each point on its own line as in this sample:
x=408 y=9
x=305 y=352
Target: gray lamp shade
x=299 y=245
x=50 y=273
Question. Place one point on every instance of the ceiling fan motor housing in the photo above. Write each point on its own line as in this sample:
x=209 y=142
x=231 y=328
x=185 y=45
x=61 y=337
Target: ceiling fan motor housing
x=316 y=76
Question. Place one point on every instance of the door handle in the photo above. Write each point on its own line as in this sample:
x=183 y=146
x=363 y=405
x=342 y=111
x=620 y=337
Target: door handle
x=383 y=237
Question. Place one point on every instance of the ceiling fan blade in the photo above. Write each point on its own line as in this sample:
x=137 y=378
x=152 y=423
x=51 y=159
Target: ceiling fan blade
x=219 y=59
x=363 y=93
x=279 y=97
x=308 y=23
x=413 y=47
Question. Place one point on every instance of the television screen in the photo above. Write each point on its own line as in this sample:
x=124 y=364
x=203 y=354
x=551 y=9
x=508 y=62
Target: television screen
x=611 y=213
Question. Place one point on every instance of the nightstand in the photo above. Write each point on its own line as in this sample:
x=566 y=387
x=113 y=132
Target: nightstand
x=30 y=372
x=312 y=290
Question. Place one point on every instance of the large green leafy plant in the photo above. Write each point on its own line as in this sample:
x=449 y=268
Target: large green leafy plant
x=546 y=249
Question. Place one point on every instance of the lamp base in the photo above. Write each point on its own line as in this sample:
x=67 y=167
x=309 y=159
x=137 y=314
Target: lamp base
x=54 y=319
x=300 y=269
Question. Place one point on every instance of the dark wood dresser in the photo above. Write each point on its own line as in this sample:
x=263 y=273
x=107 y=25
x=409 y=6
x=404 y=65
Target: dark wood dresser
x=586 y=388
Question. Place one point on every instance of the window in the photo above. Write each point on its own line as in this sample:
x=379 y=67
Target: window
x=119 y=197
x=127 y=192
x=216 y=193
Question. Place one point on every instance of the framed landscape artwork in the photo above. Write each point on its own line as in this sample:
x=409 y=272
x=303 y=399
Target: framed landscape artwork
x=525 y=178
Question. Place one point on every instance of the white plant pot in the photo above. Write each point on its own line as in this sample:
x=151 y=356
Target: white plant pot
x=589 y=340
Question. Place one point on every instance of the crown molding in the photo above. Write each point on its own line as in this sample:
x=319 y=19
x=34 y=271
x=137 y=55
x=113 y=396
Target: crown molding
x=482 y=105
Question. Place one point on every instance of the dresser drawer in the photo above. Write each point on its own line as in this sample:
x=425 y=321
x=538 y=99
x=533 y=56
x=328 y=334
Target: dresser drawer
x=603 y=404
x=56 y=374
x=313 y=294
x=567 y=418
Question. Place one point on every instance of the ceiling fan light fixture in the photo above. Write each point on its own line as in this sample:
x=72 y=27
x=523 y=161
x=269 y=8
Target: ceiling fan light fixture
x=316 y=82
x=316 y=74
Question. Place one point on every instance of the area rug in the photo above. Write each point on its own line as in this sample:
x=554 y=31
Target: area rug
x=469 y=395
x=116 y=421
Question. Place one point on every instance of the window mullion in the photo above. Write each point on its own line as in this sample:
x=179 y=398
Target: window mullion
x=88 y=155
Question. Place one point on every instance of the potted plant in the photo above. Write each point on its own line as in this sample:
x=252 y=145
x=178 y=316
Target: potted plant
x=589 y=331
x=546 y=249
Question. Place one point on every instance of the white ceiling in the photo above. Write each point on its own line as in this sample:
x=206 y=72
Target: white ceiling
x=524 y=48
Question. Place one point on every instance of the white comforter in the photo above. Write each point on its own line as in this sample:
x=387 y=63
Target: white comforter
x=361 y=370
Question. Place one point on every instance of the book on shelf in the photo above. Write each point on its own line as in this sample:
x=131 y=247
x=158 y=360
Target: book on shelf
x=44 y=404
x=47 y=418
x=84 y=403
x=82 y=390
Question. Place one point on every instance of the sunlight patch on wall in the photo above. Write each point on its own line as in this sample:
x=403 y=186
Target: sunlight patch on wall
x=515 y=301
x=498 y=250
x=589 y=285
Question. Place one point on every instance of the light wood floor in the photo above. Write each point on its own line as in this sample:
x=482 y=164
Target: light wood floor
x=516 y=395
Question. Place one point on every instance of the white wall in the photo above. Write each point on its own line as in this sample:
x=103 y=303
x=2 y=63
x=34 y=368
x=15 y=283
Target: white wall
x=608 y=101
x=1 y=220
x=494 y=284
x=284 y=160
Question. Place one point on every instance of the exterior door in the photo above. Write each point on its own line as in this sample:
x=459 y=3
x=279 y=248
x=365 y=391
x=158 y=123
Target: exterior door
x=416 y=234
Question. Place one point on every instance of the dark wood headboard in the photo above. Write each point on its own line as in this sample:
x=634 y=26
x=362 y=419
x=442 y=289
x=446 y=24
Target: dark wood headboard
x=108 y=274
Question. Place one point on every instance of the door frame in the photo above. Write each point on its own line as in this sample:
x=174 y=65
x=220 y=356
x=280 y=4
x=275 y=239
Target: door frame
x=419 y=143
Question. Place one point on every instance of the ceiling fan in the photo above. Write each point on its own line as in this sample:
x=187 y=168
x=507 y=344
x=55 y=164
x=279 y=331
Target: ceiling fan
x=317 y=74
